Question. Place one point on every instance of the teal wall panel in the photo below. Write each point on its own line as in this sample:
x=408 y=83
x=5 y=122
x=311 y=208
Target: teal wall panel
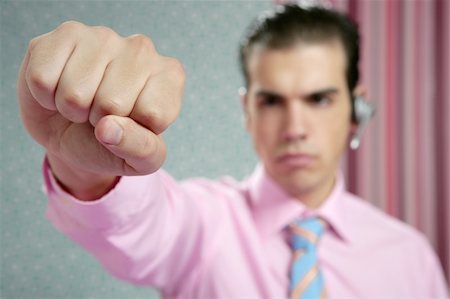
x=208 y=140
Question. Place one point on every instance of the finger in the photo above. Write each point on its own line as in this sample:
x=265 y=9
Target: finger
x=143 y=152
x=34 y=116
x=124 y=80
x=79 y=82
x=48 y=56
x=159 y=103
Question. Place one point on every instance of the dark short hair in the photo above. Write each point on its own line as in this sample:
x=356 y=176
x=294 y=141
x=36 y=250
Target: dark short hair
x=286 y=25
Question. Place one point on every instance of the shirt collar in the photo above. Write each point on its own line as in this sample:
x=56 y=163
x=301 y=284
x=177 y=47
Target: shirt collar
x=273 y=208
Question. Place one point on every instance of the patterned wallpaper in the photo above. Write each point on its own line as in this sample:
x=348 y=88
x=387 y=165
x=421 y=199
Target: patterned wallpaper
x=208 y=140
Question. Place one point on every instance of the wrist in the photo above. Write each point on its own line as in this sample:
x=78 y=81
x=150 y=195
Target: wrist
x=83 y=185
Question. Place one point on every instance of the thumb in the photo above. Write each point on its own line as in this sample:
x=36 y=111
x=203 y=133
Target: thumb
x=142 y=151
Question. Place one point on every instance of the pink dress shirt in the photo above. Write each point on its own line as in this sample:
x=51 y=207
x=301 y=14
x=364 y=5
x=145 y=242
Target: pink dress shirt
x=225 y=239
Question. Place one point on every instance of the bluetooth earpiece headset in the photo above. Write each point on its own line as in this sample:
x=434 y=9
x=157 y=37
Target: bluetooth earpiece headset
x=363 y=112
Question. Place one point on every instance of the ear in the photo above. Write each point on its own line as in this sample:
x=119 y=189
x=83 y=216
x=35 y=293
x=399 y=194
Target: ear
x=360 y=90
x=243 y=95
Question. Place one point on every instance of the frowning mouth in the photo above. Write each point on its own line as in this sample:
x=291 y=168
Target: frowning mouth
x=298 y=160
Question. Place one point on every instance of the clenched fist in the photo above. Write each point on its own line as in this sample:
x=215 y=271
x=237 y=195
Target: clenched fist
x=98 y=102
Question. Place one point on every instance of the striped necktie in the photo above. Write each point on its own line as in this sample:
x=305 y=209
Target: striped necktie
x=306 y=280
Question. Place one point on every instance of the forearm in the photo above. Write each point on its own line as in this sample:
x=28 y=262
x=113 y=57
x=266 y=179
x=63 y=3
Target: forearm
x=137 y=229
x=83 y=185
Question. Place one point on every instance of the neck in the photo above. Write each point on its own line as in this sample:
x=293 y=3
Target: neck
x=316 y=195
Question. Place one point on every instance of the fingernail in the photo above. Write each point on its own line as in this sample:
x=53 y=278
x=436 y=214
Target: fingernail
x=113 y=133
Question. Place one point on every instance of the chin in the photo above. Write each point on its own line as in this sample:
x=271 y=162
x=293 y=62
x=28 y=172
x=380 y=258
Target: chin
x=296 y=181
x=300 y=183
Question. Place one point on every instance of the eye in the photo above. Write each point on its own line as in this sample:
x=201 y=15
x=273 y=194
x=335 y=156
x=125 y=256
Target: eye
x=270 y=100
x=319 y=100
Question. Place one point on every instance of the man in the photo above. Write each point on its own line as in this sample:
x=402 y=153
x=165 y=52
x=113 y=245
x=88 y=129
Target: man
x=99 y=104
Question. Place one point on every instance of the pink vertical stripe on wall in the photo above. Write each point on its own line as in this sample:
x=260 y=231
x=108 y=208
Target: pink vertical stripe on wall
x=445 y=128
x=403 y=164
x=426 y=178
x=407 y=73
x=442 y=127
x=408 y=123
x=391 y=98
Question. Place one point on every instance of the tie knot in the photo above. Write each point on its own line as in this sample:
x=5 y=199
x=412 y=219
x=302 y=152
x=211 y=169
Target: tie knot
x=306 y=232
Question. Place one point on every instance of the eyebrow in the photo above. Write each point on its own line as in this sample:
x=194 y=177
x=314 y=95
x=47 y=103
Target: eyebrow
x=325 y=91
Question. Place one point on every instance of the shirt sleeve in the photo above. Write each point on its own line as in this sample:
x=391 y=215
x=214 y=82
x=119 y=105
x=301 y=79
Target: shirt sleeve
x=436 y=280
x=435 y=286
x=148 y=230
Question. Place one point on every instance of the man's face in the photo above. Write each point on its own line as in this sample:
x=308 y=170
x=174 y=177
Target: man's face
x=298 y=113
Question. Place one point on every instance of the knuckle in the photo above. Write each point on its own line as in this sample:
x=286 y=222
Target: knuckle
x=105 y=34
x=155 y=120
x=176 y=70
x=142 y=43
x=108 y=105
x=39 y=79
x=74 y=99
x=33 y=42
x=70 y=26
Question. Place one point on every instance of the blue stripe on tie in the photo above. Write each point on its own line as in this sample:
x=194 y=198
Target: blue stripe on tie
x=315 y=289
x=312 y=225
x=303 y=265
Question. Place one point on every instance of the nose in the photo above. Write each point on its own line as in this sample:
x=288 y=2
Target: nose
x=295 y=123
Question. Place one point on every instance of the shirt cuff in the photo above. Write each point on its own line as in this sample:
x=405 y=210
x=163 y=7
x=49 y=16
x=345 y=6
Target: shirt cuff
x=129 y=197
